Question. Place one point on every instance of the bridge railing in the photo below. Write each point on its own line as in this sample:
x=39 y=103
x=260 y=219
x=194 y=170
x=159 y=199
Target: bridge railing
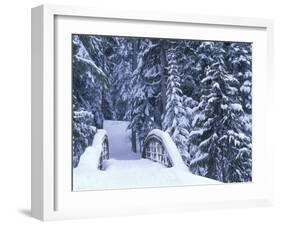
x=159 y=147
x=155 y=151
x=94 y=155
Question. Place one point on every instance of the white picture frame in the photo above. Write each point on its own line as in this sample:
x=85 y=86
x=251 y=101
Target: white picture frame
x=52 y=197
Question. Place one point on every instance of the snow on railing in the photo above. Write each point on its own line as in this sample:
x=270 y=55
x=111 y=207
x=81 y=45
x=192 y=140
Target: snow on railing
x=159 y=147
x=94 y=155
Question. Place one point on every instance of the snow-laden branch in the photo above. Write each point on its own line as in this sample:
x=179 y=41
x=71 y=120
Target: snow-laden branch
x=94 y=66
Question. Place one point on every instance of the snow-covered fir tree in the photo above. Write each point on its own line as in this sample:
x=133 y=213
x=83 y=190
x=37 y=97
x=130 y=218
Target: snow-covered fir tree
x=187 y=61
x=145 y=109
x=222 y=147
x=239 y=57
x=122 y=74
x=189 y=105
x=190 y=86
x=89 y=81
x=174 y=116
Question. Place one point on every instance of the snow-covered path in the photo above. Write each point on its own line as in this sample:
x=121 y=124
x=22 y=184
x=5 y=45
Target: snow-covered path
x=119 y=140
x=126 y=169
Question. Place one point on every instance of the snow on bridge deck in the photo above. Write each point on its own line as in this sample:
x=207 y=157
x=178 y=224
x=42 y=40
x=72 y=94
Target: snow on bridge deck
x=126 y=169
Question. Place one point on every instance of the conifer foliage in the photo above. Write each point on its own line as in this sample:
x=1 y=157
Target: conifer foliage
x=89 y=81
x=222 y=145
x=175 y=120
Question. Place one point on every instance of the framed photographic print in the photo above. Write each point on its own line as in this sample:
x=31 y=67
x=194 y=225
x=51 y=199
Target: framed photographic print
x=136 y=112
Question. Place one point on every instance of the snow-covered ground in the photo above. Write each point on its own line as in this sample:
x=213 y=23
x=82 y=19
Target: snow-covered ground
x=126 y=169
x=119 y=140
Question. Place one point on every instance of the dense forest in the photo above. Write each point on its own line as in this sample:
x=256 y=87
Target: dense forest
x=197 y=91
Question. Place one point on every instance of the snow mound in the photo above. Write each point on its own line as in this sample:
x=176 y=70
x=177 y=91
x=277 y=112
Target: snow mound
x=141 y=173
x=171 y=148
x=90 y=158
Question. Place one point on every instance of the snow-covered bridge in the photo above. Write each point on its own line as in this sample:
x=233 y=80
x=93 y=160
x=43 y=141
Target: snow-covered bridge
x=110 y=164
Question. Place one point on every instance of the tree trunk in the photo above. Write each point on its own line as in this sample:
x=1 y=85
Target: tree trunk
x=134 y=66
x=134 y=141
x=163 y=75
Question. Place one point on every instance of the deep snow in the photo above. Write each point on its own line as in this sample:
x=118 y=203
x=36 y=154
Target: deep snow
x=89 y=161
x=119 y=140
x=126 y=169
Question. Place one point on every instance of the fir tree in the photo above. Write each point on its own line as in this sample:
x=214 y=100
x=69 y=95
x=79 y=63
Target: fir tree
x=239 y=60
x=122 y=73
x=88 y=82
x=222 y=146
x=174 y=120
x=146 y=89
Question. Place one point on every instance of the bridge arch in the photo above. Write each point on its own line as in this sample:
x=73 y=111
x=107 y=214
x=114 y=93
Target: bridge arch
x=94 y=155
x=159 y=147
